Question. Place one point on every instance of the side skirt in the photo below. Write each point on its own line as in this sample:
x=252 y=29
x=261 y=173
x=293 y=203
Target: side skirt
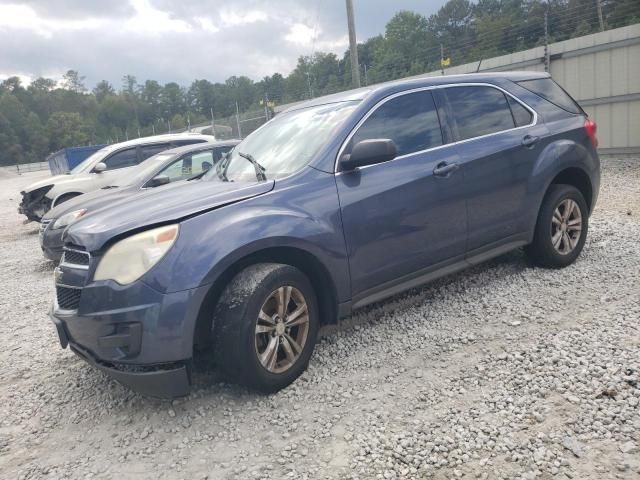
x=426 y=275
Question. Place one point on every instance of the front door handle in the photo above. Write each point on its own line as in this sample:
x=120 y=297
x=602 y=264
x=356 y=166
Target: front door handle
x=443 y=169
x=530 y=140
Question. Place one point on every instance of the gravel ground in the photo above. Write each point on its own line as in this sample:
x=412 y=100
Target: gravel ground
x=501 y=372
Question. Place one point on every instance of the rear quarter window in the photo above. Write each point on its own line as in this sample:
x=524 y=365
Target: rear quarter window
x=521 y=115
x=552 y=93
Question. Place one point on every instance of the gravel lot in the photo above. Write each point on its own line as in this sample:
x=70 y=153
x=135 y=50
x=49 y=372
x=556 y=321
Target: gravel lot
x=503 y=371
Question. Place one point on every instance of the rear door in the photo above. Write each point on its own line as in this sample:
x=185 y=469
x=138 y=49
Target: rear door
x=399 y=217
x=498 y=144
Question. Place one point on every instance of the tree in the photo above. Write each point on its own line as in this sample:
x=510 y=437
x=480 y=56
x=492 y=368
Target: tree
x=42 y=85
x=12 y=84
x=201 y=96
x=73 y=81
x=102 y=90
x=65 y=130
x=172 y=100
x=10 y=147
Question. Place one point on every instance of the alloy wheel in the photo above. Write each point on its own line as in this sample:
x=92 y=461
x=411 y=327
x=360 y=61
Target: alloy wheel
x=566 y=226
x=281 y=329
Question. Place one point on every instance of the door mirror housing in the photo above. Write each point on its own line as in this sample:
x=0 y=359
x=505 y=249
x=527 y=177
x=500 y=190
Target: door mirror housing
x=158 y=181
x=100 y=167
x=369 y=152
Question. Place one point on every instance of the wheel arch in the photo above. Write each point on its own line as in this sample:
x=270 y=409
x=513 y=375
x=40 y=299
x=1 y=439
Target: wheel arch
x=56 y=200
x=578 y=178
x=305 y=261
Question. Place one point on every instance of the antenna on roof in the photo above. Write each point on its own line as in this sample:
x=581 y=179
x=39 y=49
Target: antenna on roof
x=479 y=63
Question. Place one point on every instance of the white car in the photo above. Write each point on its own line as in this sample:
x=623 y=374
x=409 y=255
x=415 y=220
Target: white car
x=99 y=170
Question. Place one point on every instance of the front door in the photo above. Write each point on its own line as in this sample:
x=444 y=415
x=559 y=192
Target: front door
x=402 y=216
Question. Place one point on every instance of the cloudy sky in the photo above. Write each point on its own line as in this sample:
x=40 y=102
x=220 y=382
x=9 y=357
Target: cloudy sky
x=179 y=40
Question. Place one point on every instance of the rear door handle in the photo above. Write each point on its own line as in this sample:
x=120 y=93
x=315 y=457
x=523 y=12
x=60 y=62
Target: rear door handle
x=529 y=140
x=443 y=169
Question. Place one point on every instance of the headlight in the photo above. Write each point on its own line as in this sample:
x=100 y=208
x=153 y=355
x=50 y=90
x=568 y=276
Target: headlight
x=68 y=218
x=129 y=259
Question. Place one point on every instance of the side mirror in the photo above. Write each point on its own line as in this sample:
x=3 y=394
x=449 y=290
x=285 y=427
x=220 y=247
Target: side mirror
x=99 y=168
x=369 y=152
x=158 y=181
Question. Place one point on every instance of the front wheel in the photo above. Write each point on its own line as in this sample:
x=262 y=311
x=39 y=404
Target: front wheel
x=265 y=326
x=561 y=229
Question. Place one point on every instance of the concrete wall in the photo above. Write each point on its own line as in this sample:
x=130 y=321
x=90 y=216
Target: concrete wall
x=601 y=71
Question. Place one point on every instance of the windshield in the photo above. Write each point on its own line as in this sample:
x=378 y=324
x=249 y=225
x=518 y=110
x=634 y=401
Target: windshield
x=91 y=159
x=284 y=145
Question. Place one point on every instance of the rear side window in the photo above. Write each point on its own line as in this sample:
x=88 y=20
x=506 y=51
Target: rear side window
x=147 y=151
x=521 y=115
x=122 y=159
x=410 y=120
x=553 y=93
x=478 y=111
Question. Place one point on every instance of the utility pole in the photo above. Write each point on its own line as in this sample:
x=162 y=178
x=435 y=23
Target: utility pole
x=309 y=84
x=547 y=62
x=600 y=19
x=353 y=46
x=265 y=101
x=366 y=79
x=238 y=121
x=441 y=58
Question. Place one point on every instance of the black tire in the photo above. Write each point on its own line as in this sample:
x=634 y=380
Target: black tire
x=542 y=251
x=235 y=319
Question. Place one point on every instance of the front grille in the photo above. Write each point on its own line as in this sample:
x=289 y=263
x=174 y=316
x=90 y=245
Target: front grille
x=75 y=257
x=68 y=298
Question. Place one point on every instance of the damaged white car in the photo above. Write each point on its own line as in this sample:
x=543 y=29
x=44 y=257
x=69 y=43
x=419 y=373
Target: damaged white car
x=98 y=171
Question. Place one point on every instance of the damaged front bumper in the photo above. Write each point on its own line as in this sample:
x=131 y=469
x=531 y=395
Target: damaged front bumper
x=162 y=380
x=35 y=204
x=138 y=335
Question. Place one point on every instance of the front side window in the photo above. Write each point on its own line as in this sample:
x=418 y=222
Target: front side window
x=188 y=166
x=410 y=120
x=283 y=145
x=122 y=159
x=478 y=111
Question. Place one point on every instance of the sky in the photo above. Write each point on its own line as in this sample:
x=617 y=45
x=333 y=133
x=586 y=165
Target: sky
x=180 y=40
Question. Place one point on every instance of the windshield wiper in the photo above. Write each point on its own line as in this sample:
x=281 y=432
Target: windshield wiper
x=260 y=175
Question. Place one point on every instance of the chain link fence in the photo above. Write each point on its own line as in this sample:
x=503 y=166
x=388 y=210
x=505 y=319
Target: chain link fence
x=236 y=126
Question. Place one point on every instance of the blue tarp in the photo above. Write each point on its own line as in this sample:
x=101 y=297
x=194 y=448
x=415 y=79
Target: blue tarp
x=66 y=159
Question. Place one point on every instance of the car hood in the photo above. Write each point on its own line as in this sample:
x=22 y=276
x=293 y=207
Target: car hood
x=162 y=205
x=90 y=201
x=58 y=180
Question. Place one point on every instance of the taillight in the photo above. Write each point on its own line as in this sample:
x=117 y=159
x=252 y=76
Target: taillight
x=590 y=127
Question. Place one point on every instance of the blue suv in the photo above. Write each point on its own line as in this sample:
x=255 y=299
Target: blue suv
x=334 y=204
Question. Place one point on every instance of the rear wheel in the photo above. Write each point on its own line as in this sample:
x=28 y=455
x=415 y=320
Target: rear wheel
x=265 y=326
x=561 y=229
